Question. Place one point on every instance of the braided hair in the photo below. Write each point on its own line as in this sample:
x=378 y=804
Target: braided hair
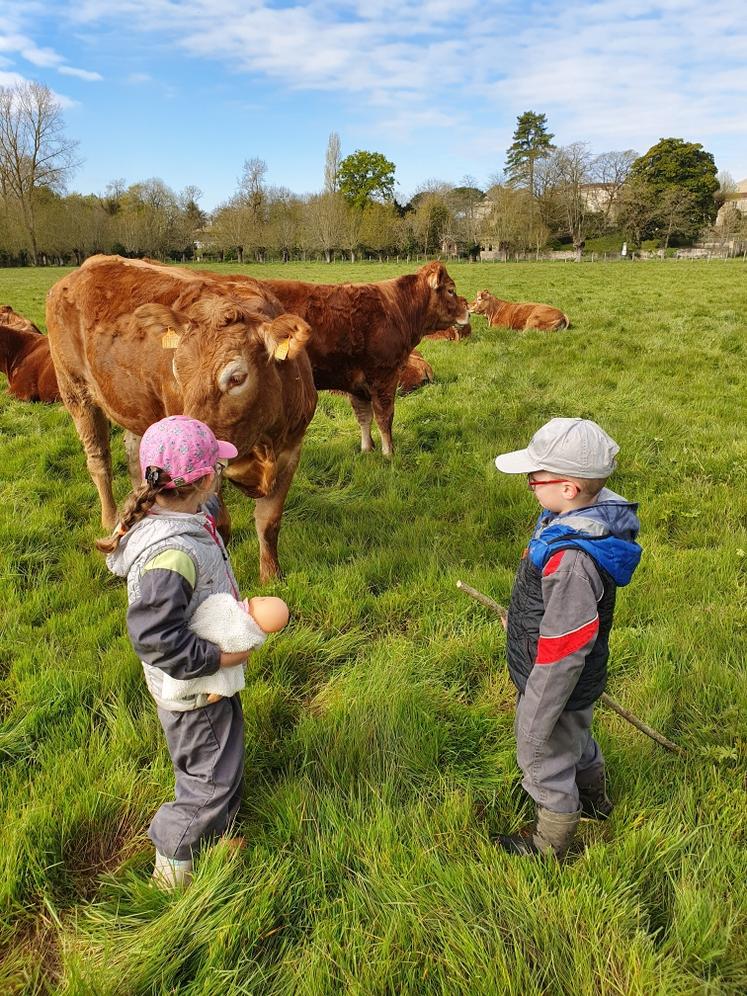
x=139 y=502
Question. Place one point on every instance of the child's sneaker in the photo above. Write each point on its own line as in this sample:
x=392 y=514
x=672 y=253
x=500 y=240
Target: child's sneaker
x=169 y=873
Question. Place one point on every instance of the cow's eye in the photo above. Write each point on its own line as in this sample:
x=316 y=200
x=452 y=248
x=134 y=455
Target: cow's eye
x=237 y=379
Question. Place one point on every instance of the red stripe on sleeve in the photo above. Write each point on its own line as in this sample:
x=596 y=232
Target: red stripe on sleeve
x=551 y=649
x=553 y=563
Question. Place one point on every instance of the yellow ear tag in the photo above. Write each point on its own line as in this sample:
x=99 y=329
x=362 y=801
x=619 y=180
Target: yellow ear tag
x=170 y=339
x=281 y=350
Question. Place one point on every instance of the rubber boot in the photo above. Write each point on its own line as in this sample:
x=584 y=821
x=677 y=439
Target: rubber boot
x=552 y=834
x=592 y=794
x=169 y=873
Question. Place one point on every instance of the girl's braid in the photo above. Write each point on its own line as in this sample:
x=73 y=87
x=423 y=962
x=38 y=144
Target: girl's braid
x=135 y=507
x=140 y=502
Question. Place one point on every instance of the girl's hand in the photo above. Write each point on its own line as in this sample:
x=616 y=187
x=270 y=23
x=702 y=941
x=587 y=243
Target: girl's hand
x=232 y=660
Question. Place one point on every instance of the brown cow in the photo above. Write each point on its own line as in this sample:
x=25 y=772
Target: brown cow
x=134 y=342
x=25 y=359
x=415 y=373
x=518 y=314
x=362 y=334
x=453 y=334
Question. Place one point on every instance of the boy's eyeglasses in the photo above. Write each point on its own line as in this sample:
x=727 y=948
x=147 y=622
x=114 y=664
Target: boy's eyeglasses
x=539 y=484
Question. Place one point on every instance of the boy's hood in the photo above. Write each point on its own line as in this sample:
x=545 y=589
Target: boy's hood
x=611 y=514
x=152 y=530
x=606 y=530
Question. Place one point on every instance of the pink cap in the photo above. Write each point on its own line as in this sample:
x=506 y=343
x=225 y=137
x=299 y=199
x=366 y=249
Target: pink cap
x=184 y=447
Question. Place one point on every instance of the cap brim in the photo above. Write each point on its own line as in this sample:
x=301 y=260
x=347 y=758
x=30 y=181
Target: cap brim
x=226 y=450
x=516 y=462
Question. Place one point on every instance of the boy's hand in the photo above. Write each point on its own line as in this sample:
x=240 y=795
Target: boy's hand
x=233 y=660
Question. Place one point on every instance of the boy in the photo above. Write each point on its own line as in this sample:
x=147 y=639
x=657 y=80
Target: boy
x=559 y=620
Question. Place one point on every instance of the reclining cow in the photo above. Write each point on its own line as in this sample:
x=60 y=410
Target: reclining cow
x=416 y=372
x=518 y=314
x=454 y=333
x=25 y=359
x=362 y=334
x=133 y=342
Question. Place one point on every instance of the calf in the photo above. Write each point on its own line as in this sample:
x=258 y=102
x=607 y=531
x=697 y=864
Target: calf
x=415 y=373
x=518 y=314
x=453 y=334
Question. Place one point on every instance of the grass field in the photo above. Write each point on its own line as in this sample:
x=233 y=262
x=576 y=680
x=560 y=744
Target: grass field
x=379 y=726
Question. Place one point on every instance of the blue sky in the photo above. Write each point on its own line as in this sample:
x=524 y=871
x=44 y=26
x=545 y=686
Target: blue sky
x=188 y=90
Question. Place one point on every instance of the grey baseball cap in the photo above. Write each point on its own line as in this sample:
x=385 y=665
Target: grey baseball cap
x=575 y=446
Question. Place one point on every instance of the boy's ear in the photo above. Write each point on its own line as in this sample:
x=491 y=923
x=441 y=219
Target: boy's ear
x=285 y=336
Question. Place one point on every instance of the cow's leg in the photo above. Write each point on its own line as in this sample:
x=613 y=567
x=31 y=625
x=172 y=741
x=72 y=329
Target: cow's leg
x=132 y=450
x=364 y=414
x=382 y=398
x=93 y=428
x=268 y=513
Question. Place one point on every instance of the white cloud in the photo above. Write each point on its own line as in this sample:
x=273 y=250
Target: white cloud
x=82 y=74
x=648 y=55
x=611 y=74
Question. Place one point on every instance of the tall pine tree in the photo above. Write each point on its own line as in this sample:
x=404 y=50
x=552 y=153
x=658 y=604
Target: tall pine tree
x=532 y=141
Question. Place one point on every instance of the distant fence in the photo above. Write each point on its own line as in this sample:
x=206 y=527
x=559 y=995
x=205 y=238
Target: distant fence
x=569 y=256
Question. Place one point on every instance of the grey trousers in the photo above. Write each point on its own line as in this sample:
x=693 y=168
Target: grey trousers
x=207 y=751
x=550 y=766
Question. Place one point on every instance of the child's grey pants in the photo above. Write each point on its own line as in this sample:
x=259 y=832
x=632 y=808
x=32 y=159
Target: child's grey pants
x=550 y=766
x=207 y=750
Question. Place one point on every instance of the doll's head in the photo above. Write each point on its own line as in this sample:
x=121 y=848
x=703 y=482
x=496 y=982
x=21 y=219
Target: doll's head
x=271 y=614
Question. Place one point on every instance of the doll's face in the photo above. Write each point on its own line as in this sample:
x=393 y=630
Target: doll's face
x=270 y=613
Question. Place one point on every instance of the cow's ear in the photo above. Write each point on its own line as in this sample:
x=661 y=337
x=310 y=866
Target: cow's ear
x=285 y=336
x=156 y=319
x=435 y=275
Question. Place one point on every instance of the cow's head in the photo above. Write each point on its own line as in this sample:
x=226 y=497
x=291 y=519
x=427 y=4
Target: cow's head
x=228 y=360
x=445 y=307
x=483 y=300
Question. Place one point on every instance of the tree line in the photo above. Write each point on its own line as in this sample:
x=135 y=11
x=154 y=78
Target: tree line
x=546 y=195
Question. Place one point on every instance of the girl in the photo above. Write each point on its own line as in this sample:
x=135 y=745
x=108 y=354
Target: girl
x=167 y=547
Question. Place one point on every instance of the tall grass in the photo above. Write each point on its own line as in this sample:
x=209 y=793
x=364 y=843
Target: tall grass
x=379 y=725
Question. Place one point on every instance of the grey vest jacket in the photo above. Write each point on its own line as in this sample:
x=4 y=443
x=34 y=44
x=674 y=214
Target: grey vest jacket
x=166 y=530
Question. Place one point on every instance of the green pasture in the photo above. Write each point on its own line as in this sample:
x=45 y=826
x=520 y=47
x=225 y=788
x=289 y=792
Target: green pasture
x=379 y=725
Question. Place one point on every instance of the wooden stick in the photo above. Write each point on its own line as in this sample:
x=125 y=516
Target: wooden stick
x=615 y=706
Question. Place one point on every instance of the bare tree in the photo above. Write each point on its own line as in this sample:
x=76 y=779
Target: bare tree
x=284 y=221
x=252 y=184
x=34 y=151
x=510 y=222
x=332 y=164
x=611 y=170
x=325 y=217
x=571 y=168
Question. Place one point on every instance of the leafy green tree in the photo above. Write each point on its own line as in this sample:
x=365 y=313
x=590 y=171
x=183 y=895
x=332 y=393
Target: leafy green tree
x=673 y=162
x=366 y=176
x=637 y=210
x=532 y=141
